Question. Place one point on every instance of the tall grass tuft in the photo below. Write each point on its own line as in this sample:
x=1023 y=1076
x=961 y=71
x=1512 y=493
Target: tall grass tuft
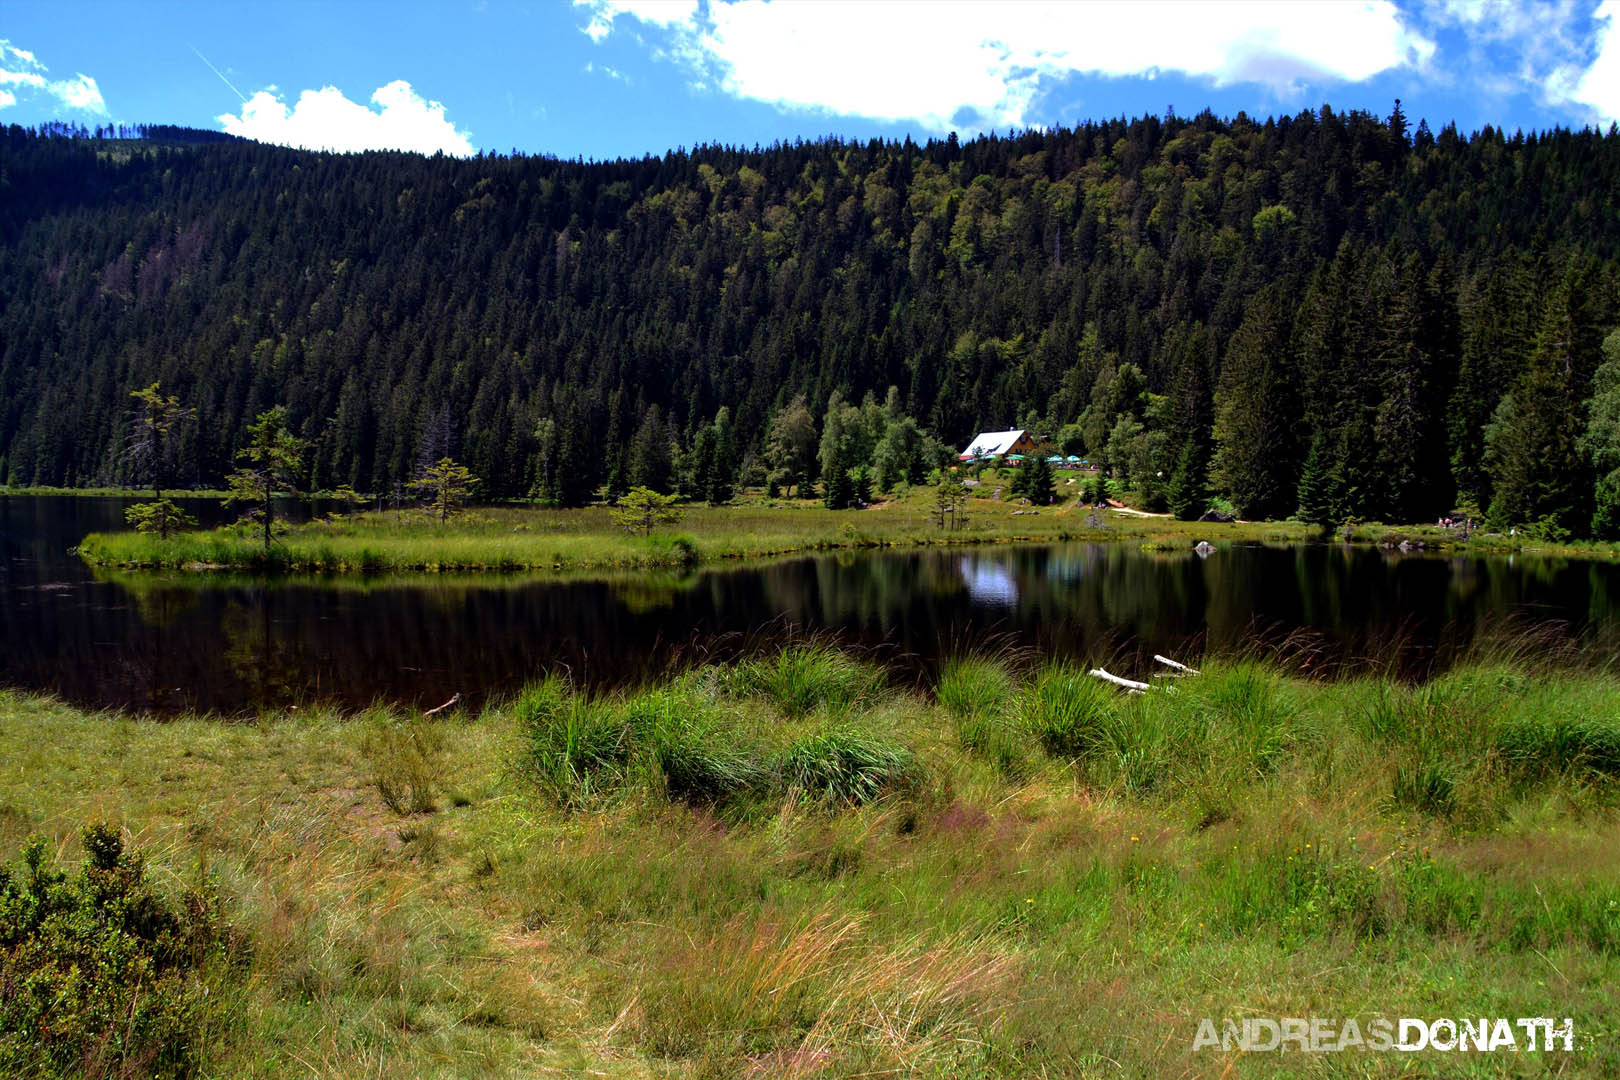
x=405 y=759
x=977 y=693
x=1068 y=711
x=1252 y=721
x=844 y=765
x=578 y=746
x=1542 y=744
x=802 y=678
x=699 y=755
x=816 y=994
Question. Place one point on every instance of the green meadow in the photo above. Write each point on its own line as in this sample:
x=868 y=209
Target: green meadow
x=800 y=864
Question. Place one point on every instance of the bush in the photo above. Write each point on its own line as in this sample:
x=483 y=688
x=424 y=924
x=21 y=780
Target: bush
x=99 y=975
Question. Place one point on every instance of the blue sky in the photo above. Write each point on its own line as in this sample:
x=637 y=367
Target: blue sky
x=609 y=78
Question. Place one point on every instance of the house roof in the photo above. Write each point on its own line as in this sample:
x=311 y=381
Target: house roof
x=992 y=443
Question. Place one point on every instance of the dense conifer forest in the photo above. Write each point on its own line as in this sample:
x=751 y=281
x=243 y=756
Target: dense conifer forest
x=1335 y=315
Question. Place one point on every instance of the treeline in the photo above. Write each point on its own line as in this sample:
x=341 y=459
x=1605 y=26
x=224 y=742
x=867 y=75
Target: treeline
x=1329 y=314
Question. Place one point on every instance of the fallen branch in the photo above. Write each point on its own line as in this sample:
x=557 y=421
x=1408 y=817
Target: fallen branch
x=1183 y=668
x=1129 y=684
x=446 y=705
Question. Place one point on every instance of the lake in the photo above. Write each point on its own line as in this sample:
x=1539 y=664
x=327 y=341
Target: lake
x=235 y=644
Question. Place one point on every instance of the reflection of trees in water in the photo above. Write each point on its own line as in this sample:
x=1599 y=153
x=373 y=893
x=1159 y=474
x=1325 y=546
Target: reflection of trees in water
x=655 y=592
x=271 y=669
x=161 y=606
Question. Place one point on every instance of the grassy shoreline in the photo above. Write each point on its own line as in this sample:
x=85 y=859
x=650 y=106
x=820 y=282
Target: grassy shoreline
x=525 y=539
x=787 y=866
x=506 y=539
x=113 y=492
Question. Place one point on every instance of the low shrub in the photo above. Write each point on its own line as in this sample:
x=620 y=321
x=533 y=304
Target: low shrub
x=99 y=974
x=405 y=758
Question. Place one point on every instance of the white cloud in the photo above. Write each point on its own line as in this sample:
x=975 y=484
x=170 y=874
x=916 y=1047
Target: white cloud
x=1599 y=85
x=325 y=119
x=21 y=68
x=80 y=92
x=7 y=98
x=973 y=66
x=1561 y=53
x=592 y=68
x=661 y=13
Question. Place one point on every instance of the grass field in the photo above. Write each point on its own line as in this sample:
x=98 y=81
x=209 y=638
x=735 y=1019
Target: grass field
x=792 y=866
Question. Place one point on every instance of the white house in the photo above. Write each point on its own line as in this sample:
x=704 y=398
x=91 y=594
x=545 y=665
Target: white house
x=998 y=444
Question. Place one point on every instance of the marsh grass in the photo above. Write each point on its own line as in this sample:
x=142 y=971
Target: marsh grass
x=684 y=880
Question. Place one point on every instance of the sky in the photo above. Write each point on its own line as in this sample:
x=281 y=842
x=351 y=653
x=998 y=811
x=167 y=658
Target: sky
x=602 y=79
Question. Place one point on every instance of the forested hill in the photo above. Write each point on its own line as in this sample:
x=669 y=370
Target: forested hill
x=1330 y=311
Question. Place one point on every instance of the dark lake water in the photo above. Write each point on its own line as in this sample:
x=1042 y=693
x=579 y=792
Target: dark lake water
x=237 y=644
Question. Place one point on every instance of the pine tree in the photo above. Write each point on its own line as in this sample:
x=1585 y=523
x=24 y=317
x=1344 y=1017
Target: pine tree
x=1187 y=494
x=273 y=457
x=1543 y=478
x=1255 y=411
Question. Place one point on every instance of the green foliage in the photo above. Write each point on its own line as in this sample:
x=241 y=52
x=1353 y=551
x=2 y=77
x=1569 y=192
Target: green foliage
x=446 y=486
x=153 y=450
x=1532 y=446
x=1034 y=480
x=950 y=501
x=162 y=517
x=101 y=974
x=273 y=457
x=1601 y=441
x=1186 y=494
x=1255 y=414
x=790 y=447
x=641 y=509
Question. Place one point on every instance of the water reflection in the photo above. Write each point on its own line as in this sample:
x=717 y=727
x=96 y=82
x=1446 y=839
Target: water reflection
x=989 y=582
x=239 y=643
